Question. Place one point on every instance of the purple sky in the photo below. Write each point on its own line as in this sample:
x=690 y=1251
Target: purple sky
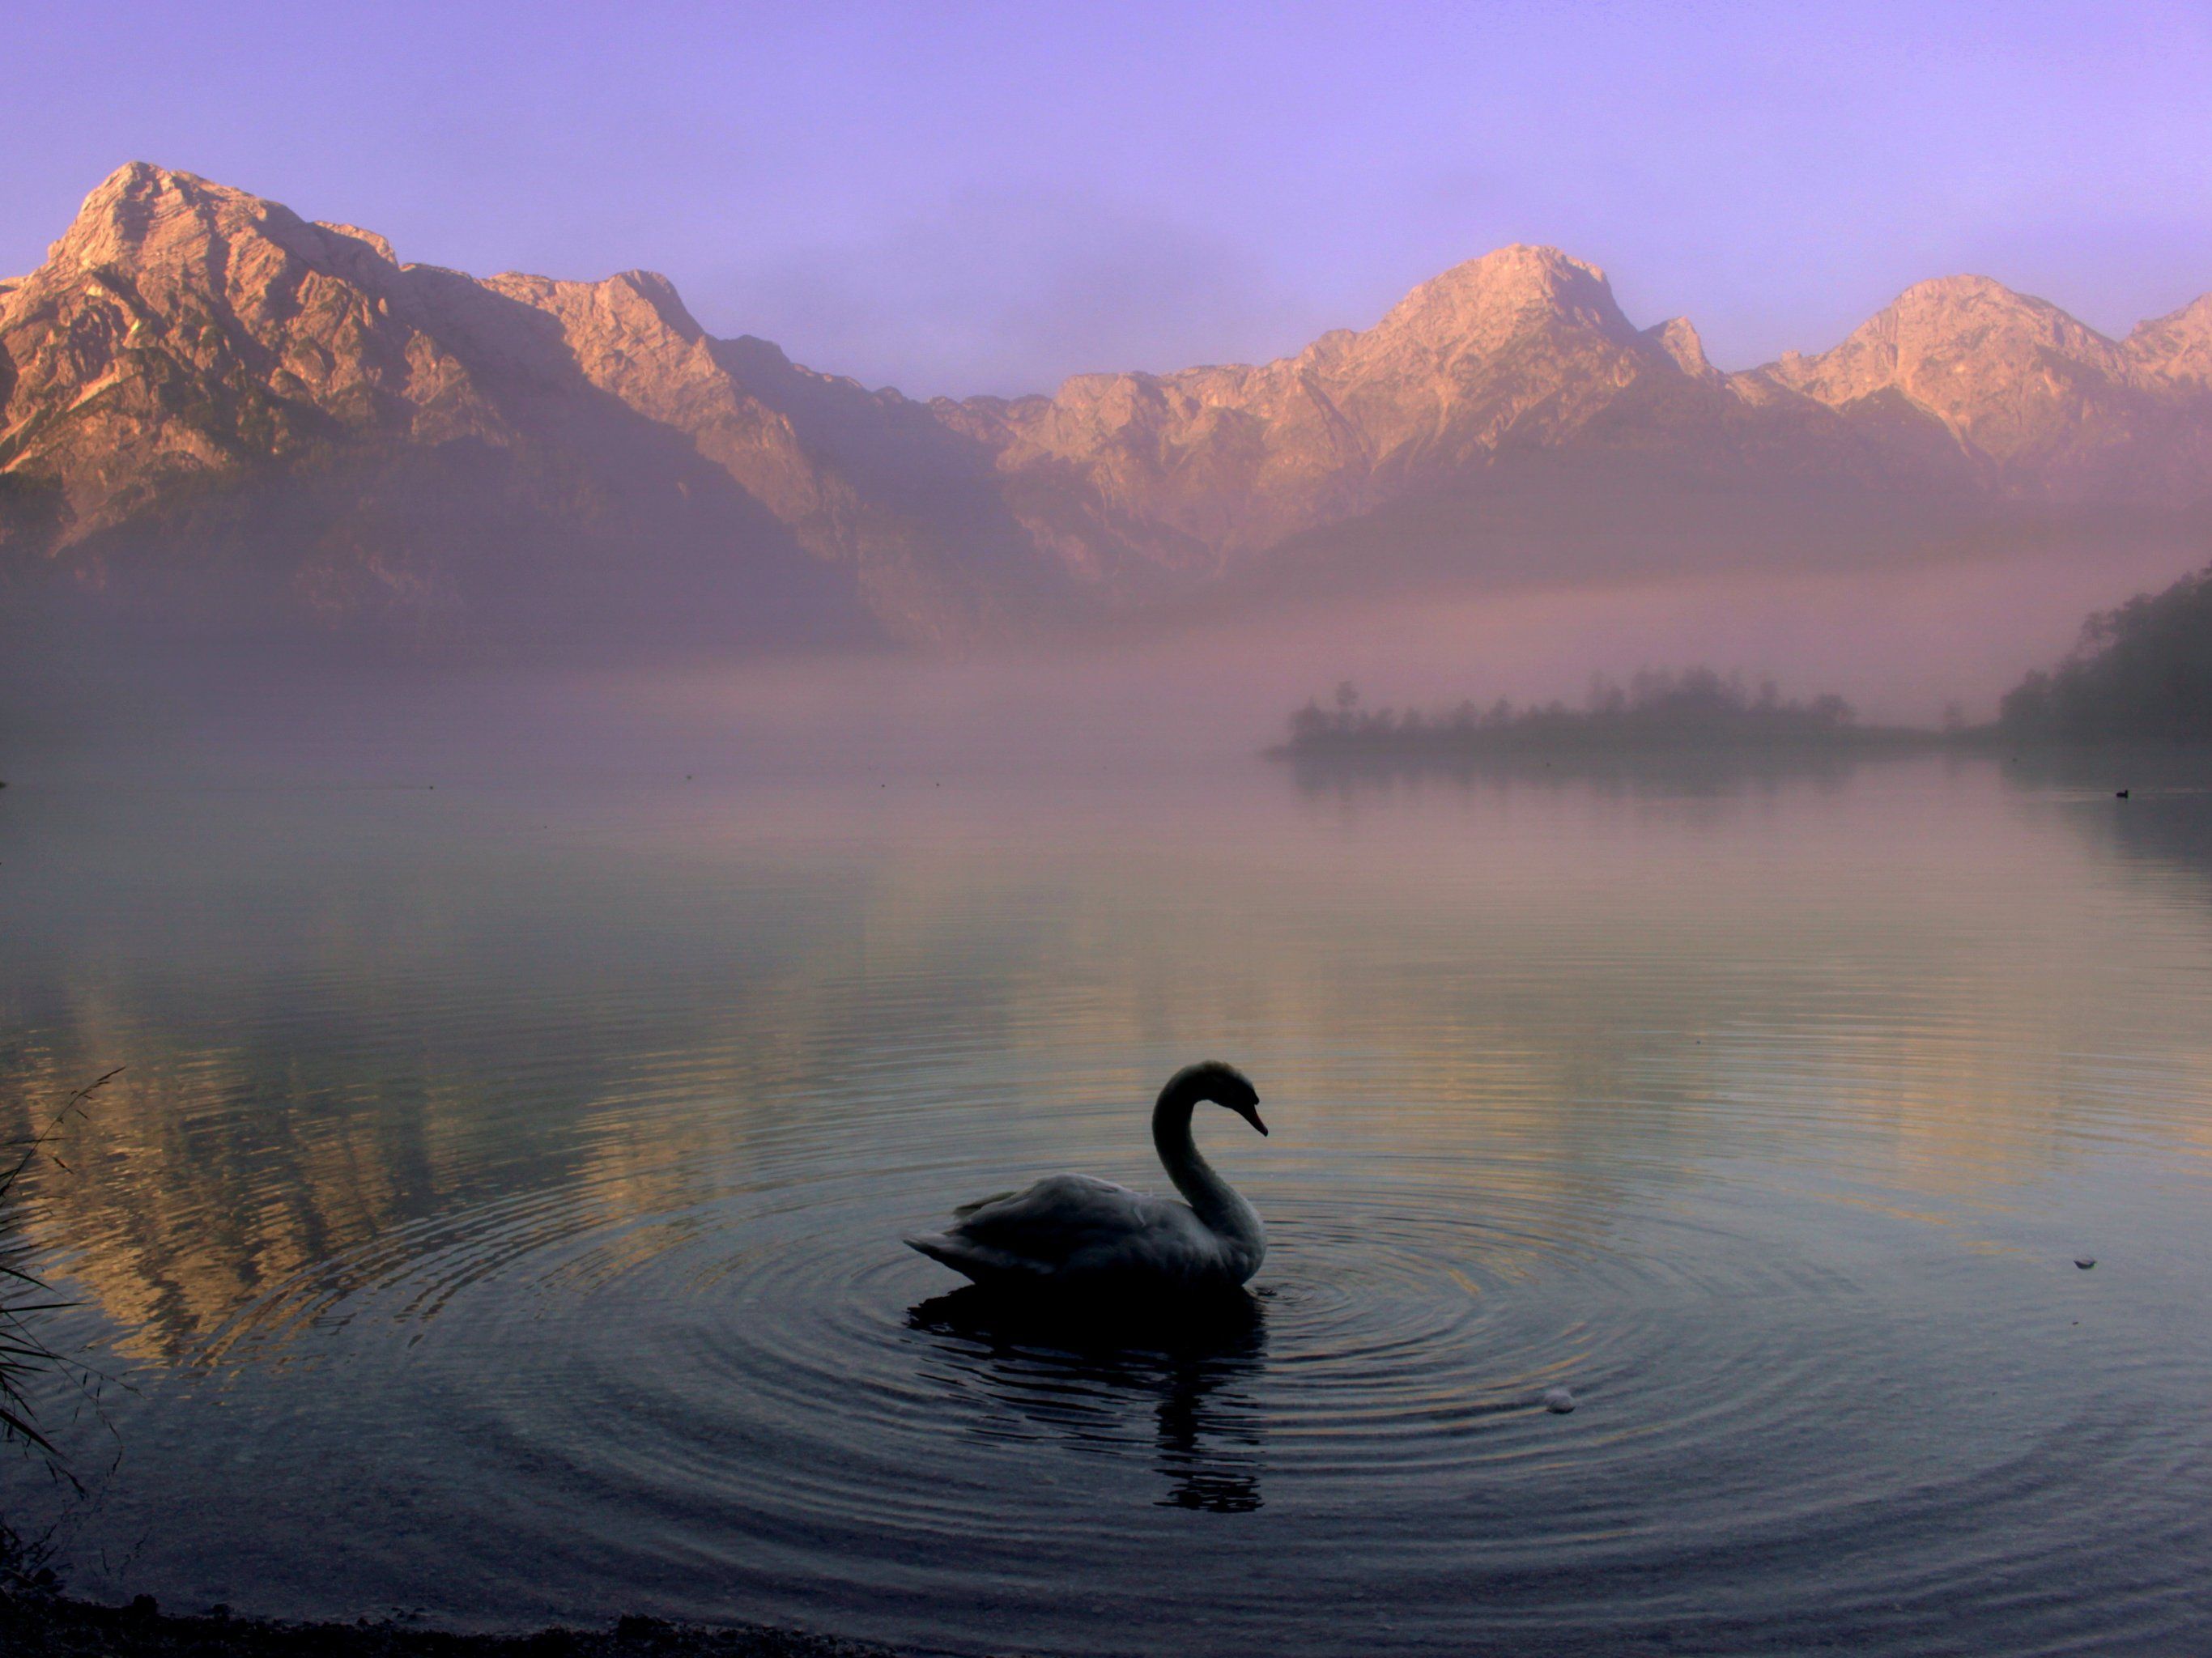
x=986 y=198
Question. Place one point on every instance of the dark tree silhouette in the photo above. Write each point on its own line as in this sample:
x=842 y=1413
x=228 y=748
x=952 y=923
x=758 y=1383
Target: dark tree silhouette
x=2144 y=669
x=1694 y=708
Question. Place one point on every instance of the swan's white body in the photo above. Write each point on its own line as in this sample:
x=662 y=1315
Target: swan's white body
x=1075 y=1231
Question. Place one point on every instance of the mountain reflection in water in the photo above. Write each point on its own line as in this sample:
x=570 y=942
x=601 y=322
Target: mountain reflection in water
x=528 y=1163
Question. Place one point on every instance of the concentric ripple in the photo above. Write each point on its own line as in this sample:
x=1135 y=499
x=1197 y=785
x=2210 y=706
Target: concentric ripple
x=533 y=1254
x=756 y=1400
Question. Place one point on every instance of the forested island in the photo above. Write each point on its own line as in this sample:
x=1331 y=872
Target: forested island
x=1657 y=710
x=2141 y=673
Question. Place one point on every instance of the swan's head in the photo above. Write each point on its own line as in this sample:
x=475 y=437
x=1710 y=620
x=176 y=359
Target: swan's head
x=1224 y=1084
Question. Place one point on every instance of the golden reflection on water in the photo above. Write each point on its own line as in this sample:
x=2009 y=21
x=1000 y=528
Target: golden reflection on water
x=1924 y=988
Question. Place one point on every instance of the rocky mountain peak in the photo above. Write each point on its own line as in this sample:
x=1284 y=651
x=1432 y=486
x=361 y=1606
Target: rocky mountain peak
x=2009 y=375
x=2176 y=349
x=1919 y=342
x=632 y=305
x=368 y=238
x=1950 y=311
x=1678 y=339
x=174 y=235
x=1483 y=304
x=189 y=349
x=141 y=211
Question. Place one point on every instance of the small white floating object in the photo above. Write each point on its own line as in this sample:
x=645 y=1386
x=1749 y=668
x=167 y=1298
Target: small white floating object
x=2085 y=1262
x=1558 y=1400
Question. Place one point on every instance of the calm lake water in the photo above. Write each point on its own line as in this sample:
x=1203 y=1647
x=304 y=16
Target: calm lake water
x=497 y=1222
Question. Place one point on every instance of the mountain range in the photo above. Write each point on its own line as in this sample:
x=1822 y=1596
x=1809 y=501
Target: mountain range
x=210 y=406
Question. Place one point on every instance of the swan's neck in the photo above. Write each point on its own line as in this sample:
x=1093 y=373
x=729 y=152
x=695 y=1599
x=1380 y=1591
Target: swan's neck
x=1215 y=1201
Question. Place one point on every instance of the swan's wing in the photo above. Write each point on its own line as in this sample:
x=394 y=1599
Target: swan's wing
x=1055 y=1218
x=1070 y=1223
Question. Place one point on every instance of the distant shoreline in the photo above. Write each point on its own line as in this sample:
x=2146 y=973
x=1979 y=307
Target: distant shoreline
x=49 y=1626
x=1447 y=746
x=1695 y=713
x=2077 y=758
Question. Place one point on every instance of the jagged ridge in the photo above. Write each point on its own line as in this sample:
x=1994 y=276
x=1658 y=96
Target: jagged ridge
x=190 y=354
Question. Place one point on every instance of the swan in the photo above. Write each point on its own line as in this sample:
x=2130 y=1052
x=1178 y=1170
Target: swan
x=1075 y=1231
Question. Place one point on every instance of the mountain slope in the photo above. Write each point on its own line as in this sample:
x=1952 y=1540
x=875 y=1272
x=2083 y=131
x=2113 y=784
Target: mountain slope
x=1509 y=376
x=190 y=352
x=201 y=393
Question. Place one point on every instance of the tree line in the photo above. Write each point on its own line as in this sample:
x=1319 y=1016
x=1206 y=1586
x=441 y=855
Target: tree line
x=2142 y=670
x=1696 y=706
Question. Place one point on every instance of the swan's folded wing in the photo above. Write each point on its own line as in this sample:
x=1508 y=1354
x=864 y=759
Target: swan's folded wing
x=1057 y=1220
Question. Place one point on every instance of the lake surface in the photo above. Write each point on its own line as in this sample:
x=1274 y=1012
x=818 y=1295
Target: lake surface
x=498 y=1220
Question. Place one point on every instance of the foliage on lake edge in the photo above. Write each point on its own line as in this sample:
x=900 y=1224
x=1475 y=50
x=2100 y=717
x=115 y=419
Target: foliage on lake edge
x=24 y=1353
x=1657 y=711
x=2139 y=672
x=2143 y=670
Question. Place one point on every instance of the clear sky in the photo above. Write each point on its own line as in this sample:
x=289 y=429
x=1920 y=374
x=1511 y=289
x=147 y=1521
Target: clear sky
x=988 y=197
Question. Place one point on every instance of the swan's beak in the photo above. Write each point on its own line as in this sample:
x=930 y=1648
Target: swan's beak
x=1253 y=1117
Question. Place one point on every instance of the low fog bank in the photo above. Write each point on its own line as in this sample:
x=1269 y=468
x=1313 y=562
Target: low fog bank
x=1901 y=646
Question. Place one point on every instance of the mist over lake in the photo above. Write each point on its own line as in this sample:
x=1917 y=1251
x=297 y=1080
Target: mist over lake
x=1132 y=831
x=497 y=1222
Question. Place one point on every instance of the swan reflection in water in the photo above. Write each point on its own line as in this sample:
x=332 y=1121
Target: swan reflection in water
x=1076 y=1371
